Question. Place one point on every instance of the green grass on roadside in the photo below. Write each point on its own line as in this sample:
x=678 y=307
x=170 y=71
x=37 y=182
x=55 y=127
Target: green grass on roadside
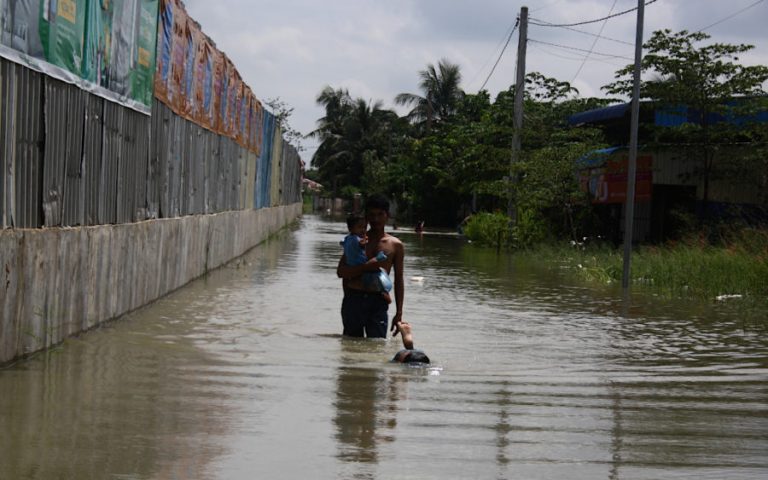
x=676 y=270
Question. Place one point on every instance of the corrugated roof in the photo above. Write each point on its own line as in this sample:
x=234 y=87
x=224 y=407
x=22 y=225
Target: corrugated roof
x=599 y=114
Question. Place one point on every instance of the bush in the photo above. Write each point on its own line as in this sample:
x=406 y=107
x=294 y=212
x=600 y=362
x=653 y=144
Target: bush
x=488 y=229
x=530 y=230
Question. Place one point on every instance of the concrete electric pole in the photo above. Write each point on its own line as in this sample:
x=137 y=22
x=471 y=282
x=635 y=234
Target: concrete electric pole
x=517 y=125
x=629 y=202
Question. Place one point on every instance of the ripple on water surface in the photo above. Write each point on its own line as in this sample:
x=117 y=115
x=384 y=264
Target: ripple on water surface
x=243 y=374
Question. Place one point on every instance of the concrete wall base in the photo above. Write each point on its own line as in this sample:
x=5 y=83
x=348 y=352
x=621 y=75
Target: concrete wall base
x=62 y=281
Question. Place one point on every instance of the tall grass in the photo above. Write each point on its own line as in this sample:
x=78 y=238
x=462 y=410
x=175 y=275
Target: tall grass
x=736 y=264
x=692 y=268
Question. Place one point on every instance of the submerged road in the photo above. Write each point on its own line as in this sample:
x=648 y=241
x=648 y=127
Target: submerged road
x=242 y=375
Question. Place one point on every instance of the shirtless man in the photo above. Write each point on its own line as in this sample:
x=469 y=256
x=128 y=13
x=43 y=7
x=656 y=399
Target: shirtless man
x=363 y=312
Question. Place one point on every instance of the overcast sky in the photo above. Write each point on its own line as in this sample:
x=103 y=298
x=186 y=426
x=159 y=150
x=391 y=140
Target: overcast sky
x=293 y=48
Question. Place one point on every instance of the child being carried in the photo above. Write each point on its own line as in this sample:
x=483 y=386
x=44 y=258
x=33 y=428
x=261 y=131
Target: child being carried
x=354 y=251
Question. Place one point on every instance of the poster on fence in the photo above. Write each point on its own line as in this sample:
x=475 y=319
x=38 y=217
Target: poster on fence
x=104 y=46
x=200 y=83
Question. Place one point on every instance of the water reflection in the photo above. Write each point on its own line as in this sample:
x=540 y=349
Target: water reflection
x=91 y=407
x=244 y=375
x=366 y=405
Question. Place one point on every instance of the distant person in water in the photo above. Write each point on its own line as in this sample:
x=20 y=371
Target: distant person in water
x=364 y=311
x=408 y=354
x=419 y=227
x=354 y=250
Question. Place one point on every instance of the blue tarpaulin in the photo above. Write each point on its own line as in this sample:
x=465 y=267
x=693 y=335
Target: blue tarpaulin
x=599 y=114
x=596 y=158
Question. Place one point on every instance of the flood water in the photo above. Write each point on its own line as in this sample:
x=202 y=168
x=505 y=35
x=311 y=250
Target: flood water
x=243 y=375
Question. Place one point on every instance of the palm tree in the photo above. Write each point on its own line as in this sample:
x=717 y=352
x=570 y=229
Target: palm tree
x=350 y=130
x=441 y=93
x=337 y=104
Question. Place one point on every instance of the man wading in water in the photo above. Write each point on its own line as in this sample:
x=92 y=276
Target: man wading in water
x=364 y=312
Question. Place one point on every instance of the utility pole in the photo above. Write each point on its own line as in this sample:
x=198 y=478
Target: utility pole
x=629 y=210
x=517 y=124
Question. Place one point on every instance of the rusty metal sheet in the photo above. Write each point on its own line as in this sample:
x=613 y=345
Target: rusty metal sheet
x=109 y=181
x=62 y=172
x=73 y=211
x=93 y=127
x=70 y=158
x=23 y=145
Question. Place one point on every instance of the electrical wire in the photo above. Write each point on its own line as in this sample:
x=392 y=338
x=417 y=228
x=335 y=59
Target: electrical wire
x=607 y=55
x=603 y=37
x=541 y=23
x=731 y=15
x=487 y=61
x=576 y=57
x=509 y=38
x=594 y=42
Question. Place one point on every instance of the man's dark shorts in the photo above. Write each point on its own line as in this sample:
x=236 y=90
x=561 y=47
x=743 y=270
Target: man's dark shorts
x=364 y=314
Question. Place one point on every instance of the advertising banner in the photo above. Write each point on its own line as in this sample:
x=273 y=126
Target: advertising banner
x=62 y=27
x=144 y=70
x=104 y=46
x=607 y=183
x=200 y=83
x=201 y=77
x=164 y=45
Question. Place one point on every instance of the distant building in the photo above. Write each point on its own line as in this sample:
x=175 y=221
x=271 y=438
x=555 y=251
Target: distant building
x=311 y=186
x=675 y=185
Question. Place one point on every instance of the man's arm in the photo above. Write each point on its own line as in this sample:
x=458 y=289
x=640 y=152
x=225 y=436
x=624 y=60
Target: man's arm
x=399 y=285
x=346 y=271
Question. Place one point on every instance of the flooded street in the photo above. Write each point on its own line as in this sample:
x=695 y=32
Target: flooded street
x=243 y=375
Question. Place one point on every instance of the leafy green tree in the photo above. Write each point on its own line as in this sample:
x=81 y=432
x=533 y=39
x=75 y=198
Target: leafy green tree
x=707 y=84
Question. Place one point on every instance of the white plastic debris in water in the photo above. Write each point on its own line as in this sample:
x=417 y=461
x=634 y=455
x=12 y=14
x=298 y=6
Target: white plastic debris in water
x=417 y=279
x=722 y=298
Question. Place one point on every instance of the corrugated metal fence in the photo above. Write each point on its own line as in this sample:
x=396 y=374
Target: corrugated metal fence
x=71 y=158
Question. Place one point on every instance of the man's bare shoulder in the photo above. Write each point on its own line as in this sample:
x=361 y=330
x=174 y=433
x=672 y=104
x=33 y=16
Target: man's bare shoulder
x=392 y=243
x=392 y=239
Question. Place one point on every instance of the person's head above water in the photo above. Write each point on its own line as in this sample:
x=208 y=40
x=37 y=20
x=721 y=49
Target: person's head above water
x=377 y=212
x=377 y=201
x=411 y=356
x=356 y=225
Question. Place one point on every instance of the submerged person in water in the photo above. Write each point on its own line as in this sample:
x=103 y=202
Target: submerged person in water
x=408 y=354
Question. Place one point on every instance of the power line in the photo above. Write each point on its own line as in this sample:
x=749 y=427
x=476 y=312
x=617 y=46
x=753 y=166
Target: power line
x=509 y=38
x=731 y=15
x=594 y=42
x=541 y=23
x=607 y=55
x=485 y=64
x=603 y=37
x=577 y=57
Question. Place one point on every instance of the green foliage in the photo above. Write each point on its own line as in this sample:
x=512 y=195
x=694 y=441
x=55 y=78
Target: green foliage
x=283 y=112
x=702 y=77
x=451 y=154
x=441 y=93
x=530 y=229
x=693 y=268
x=488 y=229
x=355 y=135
